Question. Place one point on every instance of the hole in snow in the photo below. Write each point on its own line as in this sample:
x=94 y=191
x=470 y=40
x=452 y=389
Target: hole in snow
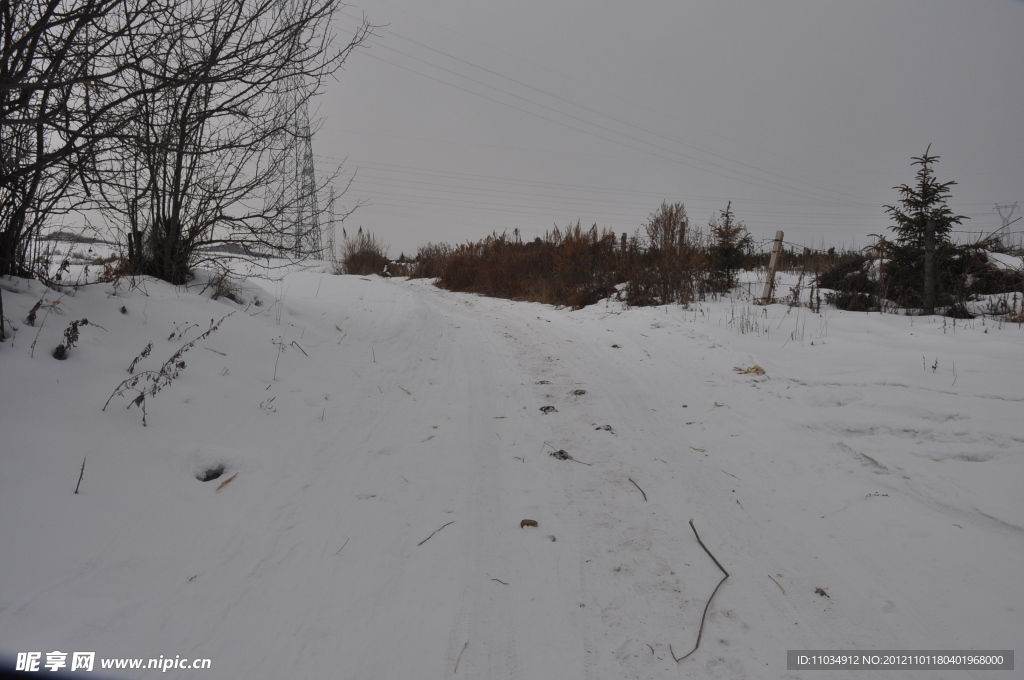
x=210 y=474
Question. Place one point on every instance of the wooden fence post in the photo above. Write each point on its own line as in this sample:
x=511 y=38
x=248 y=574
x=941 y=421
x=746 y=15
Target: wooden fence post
x=769 y=284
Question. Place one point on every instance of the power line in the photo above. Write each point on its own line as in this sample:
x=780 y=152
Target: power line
x=742 y=176
x=593 y=111
x=608 y=93
x=720 y=170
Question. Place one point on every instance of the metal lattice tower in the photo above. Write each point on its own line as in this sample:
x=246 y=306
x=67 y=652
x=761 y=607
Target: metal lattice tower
x=1006 y=213
x=296 y=225
x=1009 y=209
x=307 y=212
x=332 y=234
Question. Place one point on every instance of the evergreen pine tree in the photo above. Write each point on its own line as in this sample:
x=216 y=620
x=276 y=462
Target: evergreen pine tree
x=729 y=242
x=922 y=202
x=909 y=278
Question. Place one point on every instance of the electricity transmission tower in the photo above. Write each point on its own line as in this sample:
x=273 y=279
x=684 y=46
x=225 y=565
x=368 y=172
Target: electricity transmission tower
x=1009 y=210
x=296 y=223
x=307 y=222
x=1006 y=213
x=332 y=235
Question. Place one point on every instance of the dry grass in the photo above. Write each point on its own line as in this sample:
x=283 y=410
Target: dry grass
x=574 y=268
x=227 y=481
x=363 y=254
x=665 y=262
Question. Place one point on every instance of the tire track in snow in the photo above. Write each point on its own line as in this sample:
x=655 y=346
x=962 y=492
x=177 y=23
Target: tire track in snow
x=613 y=636
x=531 y=627
x=486 y=618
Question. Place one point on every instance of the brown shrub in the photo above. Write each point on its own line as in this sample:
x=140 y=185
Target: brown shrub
x=430 y=261
x=363 y=254
x=575 y=268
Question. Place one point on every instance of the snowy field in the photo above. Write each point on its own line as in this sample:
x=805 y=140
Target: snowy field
x=381 y=441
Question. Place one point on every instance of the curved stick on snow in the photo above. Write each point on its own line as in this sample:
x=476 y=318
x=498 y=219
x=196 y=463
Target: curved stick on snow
x=460 y=657
x=638 y=488
x=432 y=535
x=700 y=632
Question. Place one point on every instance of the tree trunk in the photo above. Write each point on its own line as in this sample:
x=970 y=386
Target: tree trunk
x=929 y=267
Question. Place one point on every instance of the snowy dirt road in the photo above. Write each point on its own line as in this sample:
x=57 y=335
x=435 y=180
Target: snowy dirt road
x=609 y=580
x=389 y=437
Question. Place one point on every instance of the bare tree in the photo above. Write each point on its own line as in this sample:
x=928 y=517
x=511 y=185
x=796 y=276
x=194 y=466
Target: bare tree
x=202 y=141
x=55 y=55
x=666 y=228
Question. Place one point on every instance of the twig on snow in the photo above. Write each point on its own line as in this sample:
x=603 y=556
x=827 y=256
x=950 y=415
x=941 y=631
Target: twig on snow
x=700 y=631
x=431 y=535
x=342 y=546
x=81 y=474
x=460 y=657
x=499 y=581
x=638 y=487
x=777 y=583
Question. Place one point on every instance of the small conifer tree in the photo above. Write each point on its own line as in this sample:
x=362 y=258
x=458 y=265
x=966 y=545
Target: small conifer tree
x=924 y=201
x=922 y=246
x=730 y=241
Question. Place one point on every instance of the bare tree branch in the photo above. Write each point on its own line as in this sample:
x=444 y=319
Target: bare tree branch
x=201 y=148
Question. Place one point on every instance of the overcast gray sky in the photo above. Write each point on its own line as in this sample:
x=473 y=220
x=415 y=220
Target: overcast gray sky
x=466 y=117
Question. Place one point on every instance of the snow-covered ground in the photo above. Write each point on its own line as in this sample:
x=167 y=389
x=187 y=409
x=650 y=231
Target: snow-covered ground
x=383 y=439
